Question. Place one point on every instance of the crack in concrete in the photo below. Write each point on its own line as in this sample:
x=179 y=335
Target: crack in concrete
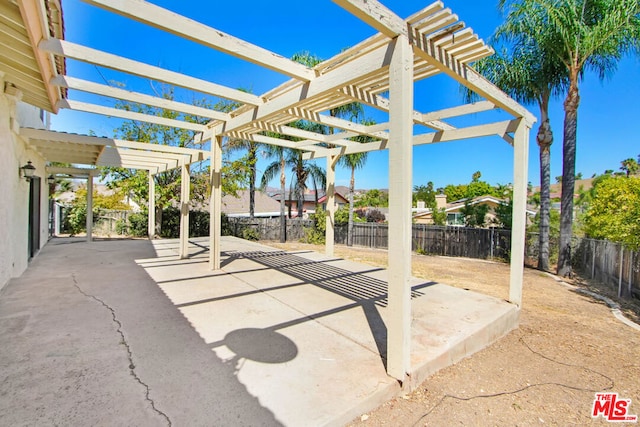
x=132 y=366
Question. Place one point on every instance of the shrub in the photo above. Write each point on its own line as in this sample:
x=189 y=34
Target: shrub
x=138 y=224
x=122 y=227
x=251 y=234
x=316 y=233
x=374 y=215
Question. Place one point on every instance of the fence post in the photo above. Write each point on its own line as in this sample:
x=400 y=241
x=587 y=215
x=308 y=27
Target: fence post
x=491 y=244
x=630 y=293
x=620 y=271
x=444 y=239
x=593 y=259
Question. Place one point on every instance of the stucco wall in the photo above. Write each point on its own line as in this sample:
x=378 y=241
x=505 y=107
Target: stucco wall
x=14 y=190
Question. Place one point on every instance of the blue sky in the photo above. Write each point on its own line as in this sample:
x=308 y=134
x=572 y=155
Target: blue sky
x=607 y=122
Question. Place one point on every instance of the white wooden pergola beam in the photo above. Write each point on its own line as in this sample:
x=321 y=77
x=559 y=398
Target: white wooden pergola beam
x=74 y=172
x=115 y=62
x=307 y=135
x=189 y=29
x=319 y=151
x=89 y=212
x=215 y=202
x=129 y=115
x=476 y=107
x=400 y=194
x=185 y=197
x=519 y=214
x=370 y=62
x=381 y=103
x=69 y=158
x=426 y=12
x=49 y=135
x=339 y=123
x=376 y=15
x=119 y=160
x=151 y=207
x=385 y=21
x=491 y=129
x=127 y=95
x=469 y=78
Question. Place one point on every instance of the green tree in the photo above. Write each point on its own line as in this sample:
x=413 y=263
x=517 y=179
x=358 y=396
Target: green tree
x=613 y=212
x=504 y=215
x=474 y=214
x=425 y=193
x=77 y=218
x=373 y=199
x=630 y=166
x=583 y=35
x=135 y=182
x=455 y=192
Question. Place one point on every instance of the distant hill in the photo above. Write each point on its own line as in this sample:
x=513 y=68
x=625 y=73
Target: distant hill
x=556 y=189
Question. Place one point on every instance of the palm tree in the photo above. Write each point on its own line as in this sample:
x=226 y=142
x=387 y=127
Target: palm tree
x=278 y=166
x=583 y=35
x=251 y=148
x=352 y=161
x=531 y=76
x=630 y=166
x=355 y=161
x=303 y=171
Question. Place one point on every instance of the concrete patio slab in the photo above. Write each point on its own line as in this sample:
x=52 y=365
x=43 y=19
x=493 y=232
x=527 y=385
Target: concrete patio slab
x=126 y=333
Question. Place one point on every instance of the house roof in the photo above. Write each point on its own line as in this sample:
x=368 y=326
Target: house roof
x=239 y=206
x=27 y=69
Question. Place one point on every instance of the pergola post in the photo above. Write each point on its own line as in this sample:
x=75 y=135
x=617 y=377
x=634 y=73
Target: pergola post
x=184 y=211
x=331 y=202
x=90 y=207
x=152 y=206
x=519 y=222
x=400 y=199
x=215 y=203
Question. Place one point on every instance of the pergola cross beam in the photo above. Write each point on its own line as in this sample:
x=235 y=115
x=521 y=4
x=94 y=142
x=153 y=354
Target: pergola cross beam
x=189 y=29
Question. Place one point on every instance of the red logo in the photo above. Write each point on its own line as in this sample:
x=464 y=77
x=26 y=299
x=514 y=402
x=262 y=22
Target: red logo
x=612 y=408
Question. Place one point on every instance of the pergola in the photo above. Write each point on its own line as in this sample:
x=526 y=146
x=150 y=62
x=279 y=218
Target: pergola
x=430 y=42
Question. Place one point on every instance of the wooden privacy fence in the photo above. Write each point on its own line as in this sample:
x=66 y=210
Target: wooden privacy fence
x=601 y=260
x=435 y=240
x=611 y=264
x=268 y=228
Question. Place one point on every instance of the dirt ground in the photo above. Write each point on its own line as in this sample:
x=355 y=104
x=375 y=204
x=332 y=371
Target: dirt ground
x=568 y=347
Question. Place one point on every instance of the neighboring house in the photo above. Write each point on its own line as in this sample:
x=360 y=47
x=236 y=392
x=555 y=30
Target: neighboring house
x=309 y=205
x=264 y=207
x=454 y=210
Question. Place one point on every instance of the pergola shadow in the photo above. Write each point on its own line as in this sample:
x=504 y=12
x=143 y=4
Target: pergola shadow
x=366 y=292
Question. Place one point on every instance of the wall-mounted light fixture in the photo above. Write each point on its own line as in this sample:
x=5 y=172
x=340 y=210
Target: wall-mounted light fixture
x=28 y=171
x=51 y=179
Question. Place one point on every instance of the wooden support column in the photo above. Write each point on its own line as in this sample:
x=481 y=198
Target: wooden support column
x=184 y=212
x=400 y=199
x=215 y=203
x=331 y=202
x=152 y=206
x=519 y=224
x=90 y=207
